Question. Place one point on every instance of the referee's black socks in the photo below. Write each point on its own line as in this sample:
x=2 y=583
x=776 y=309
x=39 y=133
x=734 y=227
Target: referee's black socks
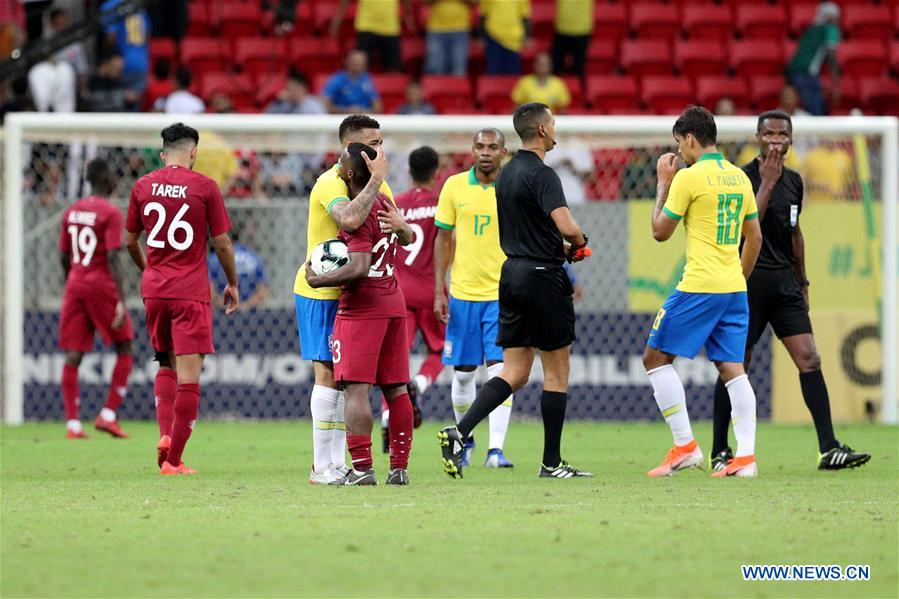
x=492 y=394
x=552 y=407
x=814 y=392
x=720 y=418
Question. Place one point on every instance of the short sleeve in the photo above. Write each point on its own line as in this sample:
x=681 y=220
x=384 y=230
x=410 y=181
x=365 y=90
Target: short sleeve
x=446 y=208
x=328 y=192
x=216 y=214
x=679 y=196
x=362 y=240
x=518 y=92
x=331 y=89
x=112 y=236
x=65 y=242
x=133 y=222
x=548 y=188
x=752 y=209
x=832 y=35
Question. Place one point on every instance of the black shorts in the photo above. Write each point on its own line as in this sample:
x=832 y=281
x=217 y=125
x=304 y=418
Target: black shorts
x=775 y=296
x=535 y=306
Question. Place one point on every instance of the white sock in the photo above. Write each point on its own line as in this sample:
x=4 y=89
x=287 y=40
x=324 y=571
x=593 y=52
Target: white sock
x=672 y=402
x=74 y=425
x=742 y=413
x=499 y=418
x=323 y=406
x=422 y=382
x=107 y=415
x=338 y=438
x=462 y=392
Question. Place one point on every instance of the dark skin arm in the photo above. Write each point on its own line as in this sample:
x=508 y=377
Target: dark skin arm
x=357 y=268
x=132 y=243
x=115 y=269
x=770 y=169
x=392 y=221
x=65 y=259
x=443 y=248
x=225 y=252
x=799 y=261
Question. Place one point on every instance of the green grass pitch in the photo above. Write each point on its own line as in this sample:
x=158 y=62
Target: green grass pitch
x=94 y=518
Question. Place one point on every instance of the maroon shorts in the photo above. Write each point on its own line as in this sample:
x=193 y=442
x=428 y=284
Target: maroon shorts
x=81 y=317
x=370 y=351
x=180 y=326
x=432 y=330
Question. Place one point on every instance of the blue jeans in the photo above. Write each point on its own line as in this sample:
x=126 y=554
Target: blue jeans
x=500 y=60
x=447 y=53
x=810 y=92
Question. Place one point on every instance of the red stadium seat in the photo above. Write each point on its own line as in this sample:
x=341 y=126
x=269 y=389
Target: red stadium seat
x=322 y=13
x=801 y=16
x=318 y=83
x=849 y=94
x=163 y=47
x=894 y=56
x=646 y=57
x=880 y=96
x=268 y=86
x=862 y=58
x=711 y=89
x=303 y=21
x=609 y=165
x=239 y=19
x=198 y=23
x=602 y=57
x=761 y=21
x=201 y=54
x=708 y=22
x=575 y=88
x=312 y=55
x=700 y=57
x=868 y=22
x=261 y=55
x=413 y=55
x=392 y=89
x=156 y=89
x=613 y=94
x=237 y=87
x=543 y=17
x=657 y=21
x=764 y=92
x=610 y=22
x=494 y=93
x=448 y=94
x=666 y=94
x=754 y=58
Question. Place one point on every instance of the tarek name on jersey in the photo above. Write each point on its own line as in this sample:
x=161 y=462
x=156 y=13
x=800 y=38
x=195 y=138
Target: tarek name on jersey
x=329 y=189
x=91 y=228
x=714 y=198
x=415 y=262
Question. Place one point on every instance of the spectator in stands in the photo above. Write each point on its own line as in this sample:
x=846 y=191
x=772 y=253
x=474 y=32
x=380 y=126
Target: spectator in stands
x=448 y=31
x=245 y=183
x=106 y=88
x=818 y=44
x=506 y=28
x=725 y=106
x=789 y=101
x=352 y=90
x=14 y=97
x=574 y=26
x=252 y=276
x=220 y=103
x=160 y=84
x=378 y=29
x=415 y=101
x=53 y=85
x=73 y=53
x=130 y=35
x=573 y=162
x=542 y=86
x=295 y=98
x=285 y=13
x=828 y=173
x=288 y=175
x=181 y=101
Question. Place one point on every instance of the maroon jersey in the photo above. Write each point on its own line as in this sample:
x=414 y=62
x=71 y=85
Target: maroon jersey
x=415 y=262
x=91 y=228
x=378 y=295
x=176 y=207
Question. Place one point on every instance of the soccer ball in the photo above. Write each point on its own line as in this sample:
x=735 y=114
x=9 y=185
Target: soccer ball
x=328 y=256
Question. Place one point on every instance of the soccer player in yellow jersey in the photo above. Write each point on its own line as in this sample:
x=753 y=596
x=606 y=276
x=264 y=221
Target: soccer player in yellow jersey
x=467 y=207
x=329 y=209
x=709 y=307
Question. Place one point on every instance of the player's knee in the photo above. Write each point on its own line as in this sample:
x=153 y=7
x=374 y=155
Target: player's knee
x=73 y=358
x=653 y=359
x=516 y=377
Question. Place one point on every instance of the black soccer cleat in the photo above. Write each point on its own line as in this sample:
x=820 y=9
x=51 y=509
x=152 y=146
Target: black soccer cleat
x=721 y=460
x=398 y=476
x=563 y=470
x=416 y=409
x=452 y=446
x=385 y=439
x=840 y=458
x=352 y=479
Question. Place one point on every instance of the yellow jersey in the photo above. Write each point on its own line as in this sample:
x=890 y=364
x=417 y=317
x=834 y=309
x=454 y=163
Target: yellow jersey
x=329 y=189
x=828 y=173
x=713 y=197
x=504 y=21
x=554 y=93
x=574 y=17
x=468 y=207
x=381 y=17
x=449 y=15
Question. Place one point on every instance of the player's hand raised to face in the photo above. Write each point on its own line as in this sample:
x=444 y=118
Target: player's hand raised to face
x=773 y=164
x=230 y=299
x=378 y=165
x=119 y=317
x=391 y=221
x=666 y=167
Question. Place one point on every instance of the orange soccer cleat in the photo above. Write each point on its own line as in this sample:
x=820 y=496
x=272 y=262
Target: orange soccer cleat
x=110 y=426
x=70 y=434
x=744 y=466
x=679 y=457
x=168 y=470
x=162 y=449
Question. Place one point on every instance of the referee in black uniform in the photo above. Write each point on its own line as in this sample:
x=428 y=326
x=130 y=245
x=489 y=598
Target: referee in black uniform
x=535 y=294
x=778 y=293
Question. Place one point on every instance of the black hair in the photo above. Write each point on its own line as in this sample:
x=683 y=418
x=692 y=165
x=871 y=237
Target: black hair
x=162 y=68
x=774 y=114
x=183 y=77
x=698 y=122
x=423 y=163
x=492 y=131
x=356 y=122
x=178 y=134
x=99 y=175
x=57 y=12
x=527 y=118
x=361 y=174
x=299 y=77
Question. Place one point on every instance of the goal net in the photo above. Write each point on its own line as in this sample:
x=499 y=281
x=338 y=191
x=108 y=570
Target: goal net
x=266 y=166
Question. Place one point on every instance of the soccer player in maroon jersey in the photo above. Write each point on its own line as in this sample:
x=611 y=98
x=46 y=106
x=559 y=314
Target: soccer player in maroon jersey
x=370 y=345
x=176 y=207
x=89 y=242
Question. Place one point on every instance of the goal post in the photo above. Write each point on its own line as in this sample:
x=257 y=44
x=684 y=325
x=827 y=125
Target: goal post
x=611 y=158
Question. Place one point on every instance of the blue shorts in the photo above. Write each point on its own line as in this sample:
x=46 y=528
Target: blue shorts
x=471 y=333
x=687 y=321
x=315 y=323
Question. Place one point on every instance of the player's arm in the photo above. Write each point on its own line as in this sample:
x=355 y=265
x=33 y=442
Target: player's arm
x=571 y=232
x=114 y=261
x=65 y=258
x=799 y=261
x=132 y=242
x=392 y=222
x=664 y=220
x=752 y=245
x=357 y=268
x=770 y=170
x=443 y=257
x=225 y=252
x=349 y=215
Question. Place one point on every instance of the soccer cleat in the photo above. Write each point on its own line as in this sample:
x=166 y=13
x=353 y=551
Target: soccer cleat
x=168 y=470
x=679 y=458
x=70 y=434
x=111 y=427
x=743 y=466
x=385 y=439
x=563 y=470
x=162 y=449
x=840 y=458
x=496 y=459
x=357 y=479
x=398 y=476
x=467 y=450
x=720 y=461
x=416 y=409
x=452 y=447
x=341 y=470
x=326 y=477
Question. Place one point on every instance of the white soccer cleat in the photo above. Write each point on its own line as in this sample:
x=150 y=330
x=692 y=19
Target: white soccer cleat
x=326 y=477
